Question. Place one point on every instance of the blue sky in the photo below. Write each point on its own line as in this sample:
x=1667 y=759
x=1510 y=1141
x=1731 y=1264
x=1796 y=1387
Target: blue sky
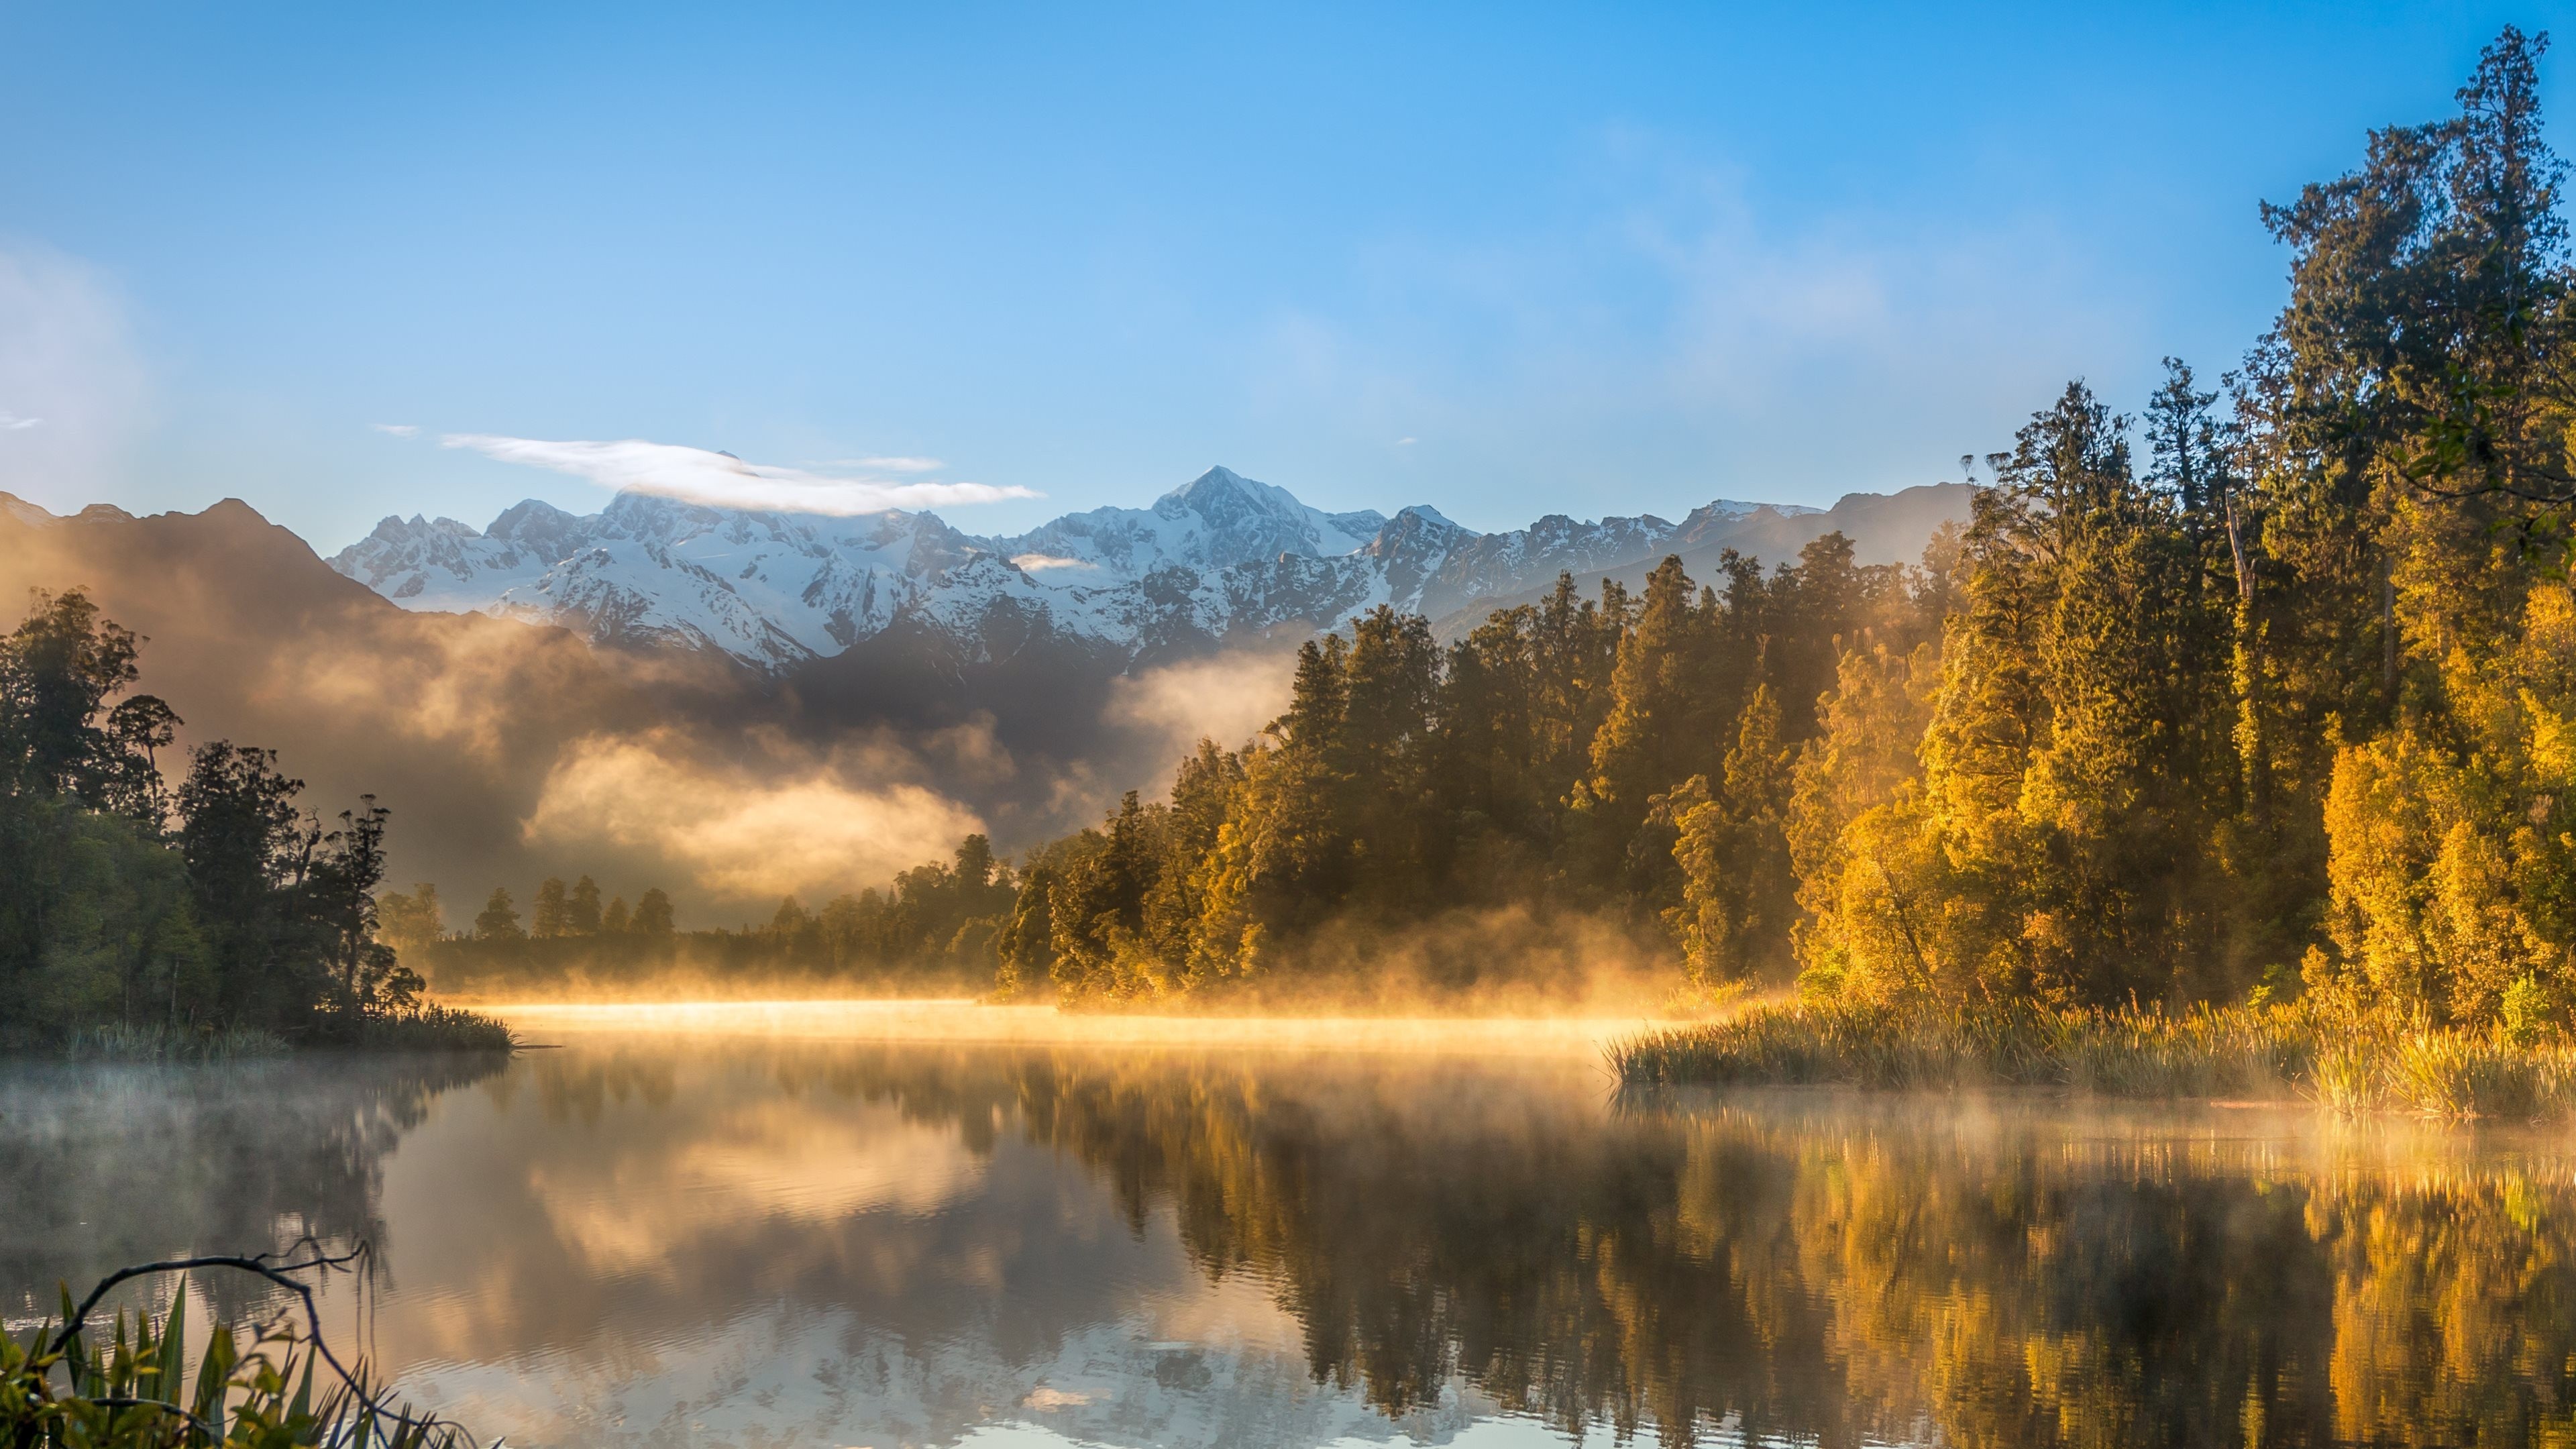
x=1504 y=260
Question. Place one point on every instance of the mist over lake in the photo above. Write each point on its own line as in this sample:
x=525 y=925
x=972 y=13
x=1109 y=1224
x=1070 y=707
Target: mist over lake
x=722 y=1235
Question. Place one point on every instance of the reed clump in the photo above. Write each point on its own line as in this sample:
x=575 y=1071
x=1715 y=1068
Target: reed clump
x=129 y=1387
x=421 y=1028
x=158 y=1042
x=426 y=1028
x=2285 y=1050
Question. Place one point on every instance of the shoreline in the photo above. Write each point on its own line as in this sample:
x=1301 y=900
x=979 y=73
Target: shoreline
x=965 y=1021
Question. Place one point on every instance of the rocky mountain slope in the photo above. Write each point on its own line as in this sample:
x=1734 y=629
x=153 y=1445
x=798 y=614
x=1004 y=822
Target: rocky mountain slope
x=1220 y=560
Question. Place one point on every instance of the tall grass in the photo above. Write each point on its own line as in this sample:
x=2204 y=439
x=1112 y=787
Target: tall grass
x=420 y=1029
x=128 y=1388
x=118 y=1042
x=2270 y=1050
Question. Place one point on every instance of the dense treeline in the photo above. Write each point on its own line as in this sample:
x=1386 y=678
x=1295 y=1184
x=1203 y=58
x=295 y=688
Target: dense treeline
x=1618 y=754
x=932 y=930
x=220 y=907
x=2272 y=692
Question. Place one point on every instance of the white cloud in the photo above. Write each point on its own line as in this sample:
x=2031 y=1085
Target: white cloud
x=1041 y=562
x=1406 y=442
x=399 y=430
x=722 y=480
x=12 y=423
x=887 y=465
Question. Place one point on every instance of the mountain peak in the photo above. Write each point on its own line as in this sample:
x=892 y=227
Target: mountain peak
x=25 y=512
x=1221 y=494
x=1433 y=515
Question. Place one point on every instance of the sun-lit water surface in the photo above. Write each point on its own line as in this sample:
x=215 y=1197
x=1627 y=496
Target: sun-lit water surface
x=924 y=1224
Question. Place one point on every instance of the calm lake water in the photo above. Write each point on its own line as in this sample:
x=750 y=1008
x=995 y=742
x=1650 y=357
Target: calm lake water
x=771 y=1229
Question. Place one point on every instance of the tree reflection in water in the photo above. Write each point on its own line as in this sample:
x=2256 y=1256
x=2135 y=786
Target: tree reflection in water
x=1836 y=1268
x=938 y=1227
x=106 y=1165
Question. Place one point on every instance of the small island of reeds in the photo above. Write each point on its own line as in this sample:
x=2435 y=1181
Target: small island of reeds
x=2298 y=1049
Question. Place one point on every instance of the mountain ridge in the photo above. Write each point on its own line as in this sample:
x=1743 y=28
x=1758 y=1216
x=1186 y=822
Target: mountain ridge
x=1217 y=560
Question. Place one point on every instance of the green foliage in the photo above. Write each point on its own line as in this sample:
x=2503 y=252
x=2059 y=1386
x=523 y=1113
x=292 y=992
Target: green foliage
x=2226 y=1052
x=160 y=1042
x=1578 y=758
x=2289 y=710
x=251 y=921
x=129 y=1388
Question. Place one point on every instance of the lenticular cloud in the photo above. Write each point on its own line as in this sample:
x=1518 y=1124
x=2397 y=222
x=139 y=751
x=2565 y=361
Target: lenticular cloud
x=721 y=480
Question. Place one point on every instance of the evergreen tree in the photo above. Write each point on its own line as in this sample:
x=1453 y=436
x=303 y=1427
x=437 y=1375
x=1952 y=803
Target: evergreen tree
x=1656 y=726
x=411 y=923
x=653 y=915
x=499 y=918
x=1738 y=897
x=553 y=916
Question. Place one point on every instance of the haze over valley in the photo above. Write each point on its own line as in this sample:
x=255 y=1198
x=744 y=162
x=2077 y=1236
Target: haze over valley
x=523 y=695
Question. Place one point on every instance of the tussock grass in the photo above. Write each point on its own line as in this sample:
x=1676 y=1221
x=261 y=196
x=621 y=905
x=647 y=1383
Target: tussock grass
x=118 y=1042
x=2249 y=1051
x=421 y=1029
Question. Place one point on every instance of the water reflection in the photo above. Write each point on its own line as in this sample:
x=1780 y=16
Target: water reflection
x=102 y=1166
x=764 y=1242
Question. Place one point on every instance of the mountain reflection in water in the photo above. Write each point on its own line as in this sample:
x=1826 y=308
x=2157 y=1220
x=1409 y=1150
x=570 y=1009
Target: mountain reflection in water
x=761 y=1241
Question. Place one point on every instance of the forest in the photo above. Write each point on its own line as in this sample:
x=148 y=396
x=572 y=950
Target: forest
x=2262 y=694
x=139 y=919
x=2266 y=691
x=931 y=933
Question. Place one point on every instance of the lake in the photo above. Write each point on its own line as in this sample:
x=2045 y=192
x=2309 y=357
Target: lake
x=837 y=1226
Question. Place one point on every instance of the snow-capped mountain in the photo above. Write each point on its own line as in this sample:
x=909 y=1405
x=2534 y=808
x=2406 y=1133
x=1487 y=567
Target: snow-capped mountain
x=1215 y=521
x=1221 y=557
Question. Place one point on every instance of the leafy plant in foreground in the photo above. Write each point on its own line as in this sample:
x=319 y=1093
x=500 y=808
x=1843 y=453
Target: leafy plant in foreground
x=68 y=1386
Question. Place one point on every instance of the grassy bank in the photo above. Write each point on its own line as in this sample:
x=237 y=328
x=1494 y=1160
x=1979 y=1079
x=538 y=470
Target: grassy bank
x=421 y=1029
x=2246 y=1051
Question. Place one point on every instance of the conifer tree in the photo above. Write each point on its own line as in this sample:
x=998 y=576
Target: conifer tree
x=653 y=915
x=553 y=916
x=499 y=918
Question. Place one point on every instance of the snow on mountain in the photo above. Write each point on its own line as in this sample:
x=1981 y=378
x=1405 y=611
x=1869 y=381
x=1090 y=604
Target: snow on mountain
x=1219 y=557
x=1215 y=521
x=770 y=589
x=829 y=1377
x=25 y=512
